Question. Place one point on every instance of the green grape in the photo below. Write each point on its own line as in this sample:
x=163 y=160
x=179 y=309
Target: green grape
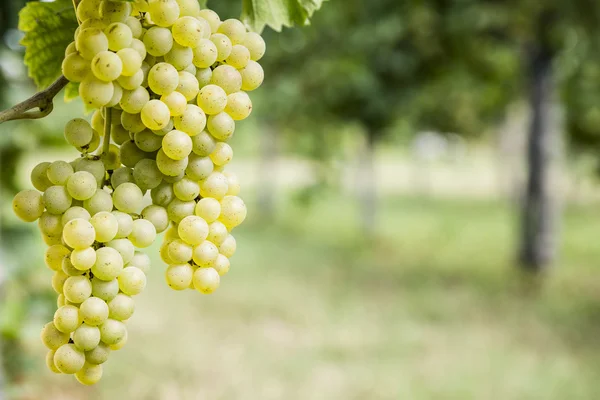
x=130 y=154
x=98 y=355
x=147 y=141
x=239 y=56
x=54 y=255
x=222 y=154
x=131 y=82
x=91 y=41
x=119 y=135
x=221 y=265
x=124 y=247
x=88 y=9
x=187 y=31
x=143 y=233
x=119 y=36
x=158 y=216
x=94 y=167
x=56 y=199
x=252 y=76
x=206 y=30
x=114 y=11
x=192 y=121
x=203 y=76
x=179 y=276
x=158 y=41
x=179 y=251
x=132 y=281
x=52 y=337
x=89 y=374
x=223 y=45
x=176 y=102
x=50 y=224
x=221 y=126
x=191 y=69
x=112 y=331
x=233 y=184
x=212 y=99
x=193 y=230
x=169 y=166
x=163 y=12
x=106 y=226
x=120 y=344
x=203 y=144
x=98 y=122
x=66 y=319
x=75 y=212
x=214 y=186
x=128 y=197
x=125 y=224
x=109 y=264
x=105 y=290
x=59 y=172
x=162 y=132
x=69 y=359
x=228 y=247
x=93 y=145
x=140 y=47
x=188 y=7
x=205 y=54
x=239 y=105
x=233 y=211
x=111 y=160
x=94 y=92
x=173 y=179
x=69 y=269
x=234 y=29
x=212 y=18
x=79 y=233
x=177 y=145
x=164 y=253
x=132 y=122
x=58 y=280
x=122 y=307
x=100 y=201
x=155 y=115
x=83 y=259
x=140 y=6
x=86 y=337
x=135 y=26
x=133 y=101
x=90 y=23
x=163 y=78
x=228 y=78
x=140 y=260
x=146 y=174
x=208 y=208
x=255 y=44
x=77 y=288
x=107 y=66
x=50 y=362
x=81 y=185
x=217 y=232
x=186 y=189
x=179 y=57
x=51 y=240
x=206 y=280
x=178 y=209
x=188 y=85
x=39 y=176
x=75 y=68
x=93 y=311
x=172 y=233
x=162 y=195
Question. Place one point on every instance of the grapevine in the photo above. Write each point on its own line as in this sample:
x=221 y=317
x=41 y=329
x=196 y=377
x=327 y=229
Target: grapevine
x=168 y=81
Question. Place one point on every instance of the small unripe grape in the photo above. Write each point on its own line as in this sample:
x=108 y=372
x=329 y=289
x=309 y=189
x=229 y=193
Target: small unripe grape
x=29 y=205
x=212 y=99
x=205 y=53
x=94 y=92
x=106 y=226
x=239 y=106
x=178 y=209
x=105 y=290
x=187 y=31
x=234 y=29
x=203 y=144
x=39 y=176
x=233 y=211
x=203 y=75
x=158 y=41
x=59 y=172
x=77 y=288
x=89 y=374
x=186 y=189
x=132 y=281
x=67 y=319
x=163 y=78
x=79 y=233
x=128 y=197
x=121 y=308
x=221 y=265
x=133 y=101
x=112 y=331
x=98 y=355
x=158 y=216
x=114 y=11
x=239 y=56
x=255 y=44
x=221 y=126
x=168 y=166
x=155 y=115
x=180 y=57
x=135 y=26
x=188 y=85
x=176 y=102
x=69 y=359
x=109 y=264
x=179 y=276
x=86 y=337
x=228 y=78
x=143 y=233
x=177 y=145
x=75 y=68
x=228 y=247
x=124 y=247
x=94 y=311
x=214 y=186
x=223 y=45
x=100 y=201
x=212 y=18
x=222 y=154
x=206 y=280
x=119 y=36
x=83 y=259
x=54 y=256
x=163 y=12
x=82 y=185
x=252 y=76
x=91 y=41
x=131 y=61
x=209 y=209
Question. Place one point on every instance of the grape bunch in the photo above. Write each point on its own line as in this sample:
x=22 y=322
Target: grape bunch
x=167 y=82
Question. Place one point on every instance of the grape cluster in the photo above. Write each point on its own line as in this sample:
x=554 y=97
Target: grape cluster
x=168 y=81
x=91 y=232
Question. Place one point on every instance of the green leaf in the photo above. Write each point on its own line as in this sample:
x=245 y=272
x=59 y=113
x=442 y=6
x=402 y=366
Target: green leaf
x=71 y=91
x=49 y=28
x=278 y=13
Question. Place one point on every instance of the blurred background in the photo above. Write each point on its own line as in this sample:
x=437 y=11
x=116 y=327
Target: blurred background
x=422 y=183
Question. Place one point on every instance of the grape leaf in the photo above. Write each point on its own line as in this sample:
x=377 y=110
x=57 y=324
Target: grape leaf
x=278 y=13
x=48 y=28
x=71 y=91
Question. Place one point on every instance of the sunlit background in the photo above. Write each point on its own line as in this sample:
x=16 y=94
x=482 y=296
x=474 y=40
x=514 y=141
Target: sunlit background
x=385 y=168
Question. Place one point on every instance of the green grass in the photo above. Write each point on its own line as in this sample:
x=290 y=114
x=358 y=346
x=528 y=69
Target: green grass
x=432 y=308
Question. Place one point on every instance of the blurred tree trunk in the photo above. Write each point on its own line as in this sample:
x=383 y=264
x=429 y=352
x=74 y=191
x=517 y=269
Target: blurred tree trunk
x=267 y=169
x=540 y=212
x=367 y=185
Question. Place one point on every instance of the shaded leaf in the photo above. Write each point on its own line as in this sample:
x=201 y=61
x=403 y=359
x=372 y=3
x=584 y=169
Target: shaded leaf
x=278 y=13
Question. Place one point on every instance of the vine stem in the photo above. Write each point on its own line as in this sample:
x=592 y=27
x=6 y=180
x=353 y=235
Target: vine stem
x=107 y=126
x=41 y=100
